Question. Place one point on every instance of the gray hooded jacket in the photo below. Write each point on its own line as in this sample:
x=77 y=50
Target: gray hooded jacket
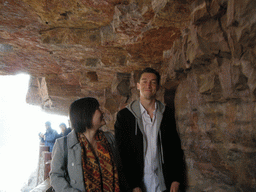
x=135 y=109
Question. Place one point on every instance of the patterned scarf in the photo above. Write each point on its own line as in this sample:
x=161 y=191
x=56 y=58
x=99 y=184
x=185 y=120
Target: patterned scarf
x=100 y=172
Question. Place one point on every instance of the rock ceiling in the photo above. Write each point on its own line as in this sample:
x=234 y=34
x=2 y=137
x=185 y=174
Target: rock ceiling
x=75 y=48
x=78 y=48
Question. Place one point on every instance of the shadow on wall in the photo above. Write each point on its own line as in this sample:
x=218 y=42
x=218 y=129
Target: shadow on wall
x=169 y=96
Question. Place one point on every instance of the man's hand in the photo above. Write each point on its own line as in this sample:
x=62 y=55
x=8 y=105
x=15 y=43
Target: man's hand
x=175 y=186
x=137 y=189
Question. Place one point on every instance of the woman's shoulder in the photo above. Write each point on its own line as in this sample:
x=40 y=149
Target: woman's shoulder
x=60 y=140
x=110 y=136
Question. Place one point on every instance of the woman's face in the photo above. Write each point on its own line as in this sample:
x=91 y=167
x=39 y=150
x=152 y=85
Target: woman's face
x=98 y=119
x=62 y=128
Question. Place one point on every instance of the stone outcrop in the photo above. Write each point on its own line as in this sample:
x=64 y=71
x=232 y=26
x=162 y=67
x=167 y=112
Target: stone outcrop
x=204 y=50
x=214 y=60
x=77 y=48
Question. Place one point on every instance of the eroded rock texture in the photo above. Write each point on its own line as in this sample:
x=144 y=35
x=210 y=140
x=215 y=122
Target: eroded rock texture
x=204 y=50
x=215 y=100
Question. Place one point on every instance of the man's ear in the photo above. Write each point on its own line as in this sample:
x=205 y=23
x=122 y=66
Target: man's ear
x=138 y=86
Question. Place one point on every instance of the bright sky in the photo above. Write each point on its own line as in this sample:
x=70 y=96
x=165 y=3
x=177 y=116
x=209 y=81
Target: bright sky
x=20 y=124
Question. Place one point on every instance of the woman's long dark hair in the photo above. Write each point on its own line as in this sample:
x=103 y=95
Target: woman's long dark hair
x=81 y=112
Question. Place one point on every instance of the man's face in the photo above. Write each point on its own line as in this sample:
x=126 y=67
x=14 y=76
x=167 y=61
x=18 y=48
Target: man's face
x=148 y=86
x=47 y=126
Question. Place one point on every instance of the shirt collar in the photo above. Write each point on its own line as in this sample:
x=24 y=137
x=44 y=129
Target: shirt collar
x=143 y=110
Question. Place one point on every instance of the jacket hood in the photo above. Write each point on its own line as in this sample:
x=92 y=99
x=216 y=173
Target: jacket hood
x=134 y=107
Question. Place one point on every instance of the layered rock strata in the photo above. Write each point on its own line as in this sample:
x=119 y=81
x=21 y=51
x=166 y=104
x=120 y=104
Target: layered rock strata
x=204 y=50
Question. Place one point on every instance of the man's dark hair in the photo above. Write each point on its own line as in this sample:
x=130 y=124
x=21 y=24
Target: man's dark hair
x=81 y=112
x=150 y=70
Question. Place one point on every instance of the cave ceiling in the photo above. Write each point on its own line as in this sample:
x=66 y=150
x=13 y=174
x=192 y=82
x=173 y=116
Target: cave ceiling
x=77 y=48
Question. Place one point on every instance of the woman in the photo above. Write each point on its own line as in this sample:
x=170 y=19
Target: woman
x=64 y=130
x=89 y=164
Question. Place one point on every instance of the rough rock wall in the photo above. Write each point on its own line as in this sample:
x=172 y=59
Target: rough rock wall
x=211 y=71
x=204 y=49
x=214 y=61
x=76 y=48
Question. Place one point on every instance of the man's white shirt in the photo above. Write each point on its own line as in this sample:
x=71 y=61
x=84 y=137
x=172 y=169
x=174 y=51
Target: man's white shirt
x=151 y=168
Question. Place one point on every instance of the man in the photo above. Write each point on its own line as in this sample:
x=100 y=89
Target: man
x=147 y=140
x=64 y=130
x=49 y=137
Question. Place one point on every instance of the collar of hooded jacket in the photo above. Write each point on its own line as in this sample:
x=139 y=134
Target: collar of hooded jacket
x=134 y=108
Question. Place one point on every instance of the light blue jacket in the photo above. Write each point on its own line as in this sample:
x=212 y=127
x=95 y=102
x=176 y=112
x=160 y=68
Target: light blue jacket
x=74 y=164
x=50 y=137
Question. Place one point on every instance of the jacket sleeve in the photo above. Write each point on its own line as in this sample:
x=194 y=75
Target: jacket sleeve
x=127 y=149
x=57 y=174
x=173 y=154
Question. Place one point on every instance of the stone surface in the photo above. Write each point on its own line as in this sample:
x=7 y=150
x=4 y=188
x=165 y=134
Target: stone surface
x=204 y=50
x=75 y=48
x=215 y=101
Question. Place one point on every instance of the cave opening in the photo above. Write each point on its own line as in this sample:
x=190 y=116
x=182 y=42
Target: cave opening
x=20 y=124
